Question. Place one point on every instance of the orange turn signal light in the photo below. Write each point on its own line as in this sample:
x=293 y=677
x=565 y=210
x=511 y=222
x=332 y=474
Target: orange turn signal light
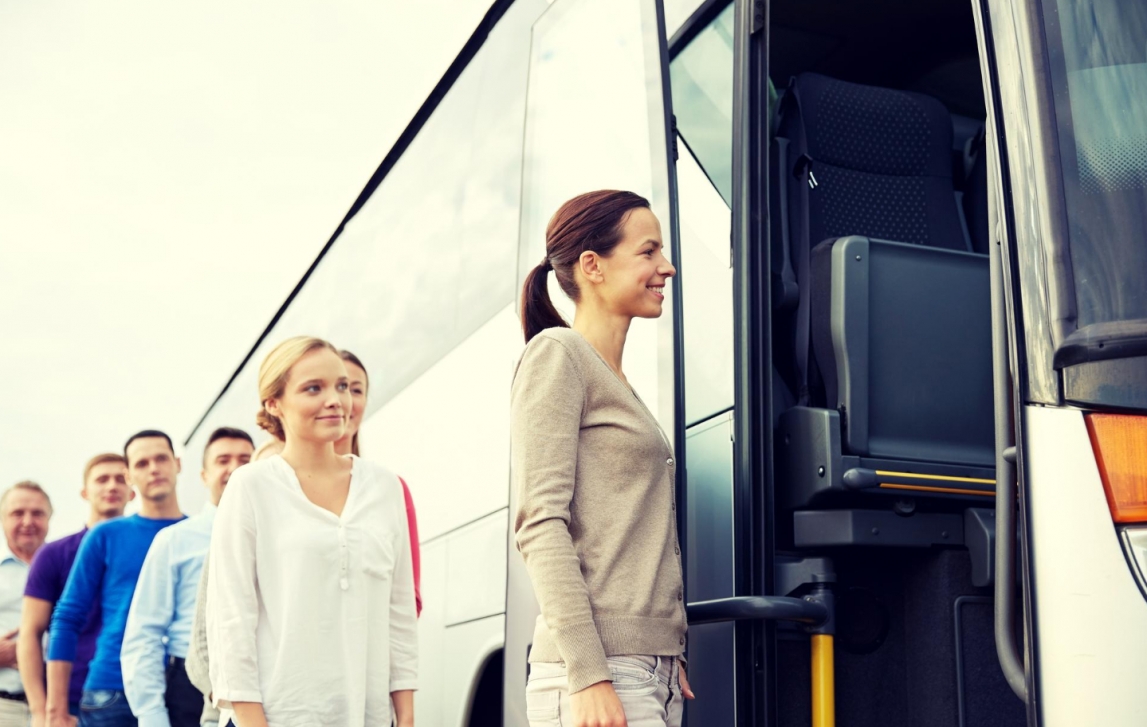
x=1120 y=444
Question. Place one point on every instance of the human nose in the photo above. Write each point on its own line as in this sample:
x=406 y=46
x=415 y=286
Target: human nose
x=667 y=268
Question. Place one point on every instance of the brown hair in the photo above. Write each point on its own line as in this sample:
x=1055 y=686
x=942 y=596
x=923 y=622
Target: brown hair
x=349 y=357
x=105 y=458
x=589 y=222
x=226 y=433
x=28 y=485
x=274 y=372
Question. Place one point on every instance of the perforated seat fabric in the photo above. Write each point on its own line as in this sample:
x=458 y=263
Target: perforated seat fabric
x=882 y=163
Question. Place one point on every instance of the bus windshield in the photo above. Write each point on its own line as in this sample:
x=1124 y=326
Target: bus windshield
x=1098 y=55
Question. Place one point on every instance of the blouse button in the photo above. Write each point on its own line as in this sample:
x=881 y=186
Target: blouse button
x=344 y=583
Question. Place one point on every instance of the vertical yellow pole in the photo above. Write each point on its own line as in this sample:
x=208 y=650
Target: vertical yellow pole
x=823 y=687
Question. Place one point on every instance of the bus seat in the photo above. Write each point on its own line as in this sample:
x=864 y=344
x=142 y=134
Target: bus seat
x=880 y=160
x=890 y=334
x=902 y=337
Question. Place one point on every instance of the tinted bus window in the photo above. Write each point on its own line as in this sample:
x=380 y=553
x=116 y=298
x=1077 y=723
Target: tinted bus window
x=702 y=78
x=1099 y=77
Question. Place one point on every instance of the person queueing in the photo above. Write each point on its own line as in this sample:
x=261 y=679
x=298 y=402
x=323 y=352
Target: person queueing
x=107 y=492
x=594 y=473
x=104 y=574
x=310 y=593
x=198 y=663
x=155 y=641
x=25 y=511
x=359 y=389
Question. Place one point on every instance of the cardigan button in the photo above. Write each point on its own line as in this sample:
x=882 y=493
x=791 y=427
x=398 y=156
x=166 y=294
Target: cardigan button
x=669 y=461
x=682 y=641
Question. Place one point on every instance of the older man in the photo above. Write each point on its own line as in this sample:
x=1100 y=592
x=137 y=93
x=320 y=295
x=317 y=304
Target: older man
x=25 y=510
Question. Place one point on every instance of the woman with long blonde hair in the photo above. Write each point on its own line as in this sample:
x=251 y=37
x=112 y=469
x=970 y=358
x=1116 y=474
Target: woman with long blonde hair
x=310 y=609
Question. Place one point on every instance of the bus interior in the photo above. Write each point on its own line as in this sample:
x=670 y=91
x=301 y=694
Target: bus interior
x=882 y=382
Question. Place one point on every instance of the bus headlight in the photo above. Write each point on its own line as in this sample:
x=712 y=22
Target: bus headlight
x=1135 y=543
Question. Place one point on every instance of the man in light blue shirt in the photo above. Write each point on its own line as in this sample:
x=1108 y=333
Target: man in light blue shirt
x=25 y=510
x=159 y=623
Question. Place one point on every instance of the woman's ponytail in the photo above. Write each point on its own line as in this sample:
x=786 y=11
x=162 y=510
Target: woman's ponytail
x=538 y=311
x=589 y=222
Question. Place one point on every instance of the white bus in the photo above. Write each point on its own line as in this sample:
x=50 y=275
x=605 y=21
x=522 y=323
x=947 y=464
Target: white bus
x=906 y=366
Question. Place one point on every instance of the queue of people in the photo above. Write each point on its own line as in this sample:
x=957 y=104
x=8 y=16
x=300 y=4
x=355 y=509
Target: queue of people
x=286 y=603
x=292 y=599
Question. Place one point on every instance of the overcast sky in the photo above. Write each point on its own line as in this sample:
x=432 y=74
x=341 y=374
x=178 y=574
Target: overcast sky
x=167 y=173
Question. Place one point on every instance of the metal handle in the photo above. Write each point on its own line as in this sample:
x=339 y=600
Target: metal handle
x=777 y=608
x=1005 y=590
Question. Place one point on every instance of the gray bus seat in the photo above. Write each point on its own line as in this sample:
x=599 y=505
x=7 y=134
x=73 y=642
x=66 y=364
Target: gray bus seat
x=890 y=335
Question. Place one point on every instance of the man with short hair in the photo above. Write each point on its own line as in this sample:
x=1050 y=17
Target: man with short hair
x=107 y=492
x=158 y=631
x=104 y=574
x=25 y=510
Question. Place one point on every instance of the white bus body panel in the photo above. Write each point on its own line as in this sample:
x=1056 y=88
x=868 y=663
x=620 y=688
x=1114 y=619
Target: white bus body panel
x=447 y=434
x=1090 y=616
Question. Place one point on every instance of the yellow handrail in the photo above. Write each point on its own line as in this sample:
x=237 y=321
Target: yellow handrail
x=823 y=685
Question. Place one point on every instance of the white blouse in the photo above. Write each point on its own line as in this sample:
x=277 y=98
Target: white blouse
x=311 y=614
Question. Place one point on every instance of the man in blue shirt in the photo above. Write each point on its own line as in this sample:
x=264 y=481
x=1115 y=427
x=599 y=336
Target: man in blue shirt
x=105 y=572
x=158 y=630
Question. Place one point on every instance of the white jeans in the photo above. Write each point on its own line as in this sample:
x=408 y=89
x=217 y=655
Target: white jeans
x=648 y=686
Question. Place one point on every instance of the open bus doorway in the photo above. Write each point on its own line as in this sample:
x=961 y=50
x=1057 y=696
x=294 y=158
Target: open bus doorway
x=880 y=372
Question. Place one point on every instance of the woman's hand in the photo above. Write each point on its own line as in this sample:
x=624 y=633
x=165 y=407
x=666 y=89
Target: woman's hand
x=597 y=706
x=686 y=690
x=58 y=719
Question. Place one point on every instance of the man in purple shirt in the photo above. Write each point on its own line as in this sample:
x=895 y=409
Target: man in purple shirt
x=107 y=491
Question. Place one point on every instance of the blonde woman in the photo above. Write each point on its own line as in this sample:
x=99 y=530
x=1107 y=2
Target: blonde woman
x=310 y=595
x=595 y=479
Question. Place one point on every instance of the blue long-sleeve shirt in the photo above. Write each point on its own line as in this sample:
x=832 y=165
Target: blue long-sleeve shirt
x=162 y=610
x=105 y=572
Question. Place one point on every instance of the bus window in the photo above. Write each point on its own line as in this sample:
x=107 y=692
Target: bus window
x=702 y=75
x=1099 y=77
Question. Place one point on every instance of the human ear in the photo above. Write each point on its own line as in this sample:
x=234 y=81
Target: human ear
x=590 y=265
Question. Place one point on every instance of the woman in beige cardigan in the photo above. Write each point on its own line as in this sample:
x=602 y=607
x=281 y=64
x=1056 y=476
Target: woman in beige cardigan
x=594 y=472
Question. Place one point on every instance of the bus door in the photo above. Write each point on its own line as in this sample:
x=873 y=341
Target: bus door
x=873 y=383
x=595 y=119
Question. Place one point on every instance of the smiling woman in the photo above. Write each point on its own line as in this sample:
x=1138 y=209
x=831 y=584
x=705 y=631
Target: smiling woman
x=314 y=543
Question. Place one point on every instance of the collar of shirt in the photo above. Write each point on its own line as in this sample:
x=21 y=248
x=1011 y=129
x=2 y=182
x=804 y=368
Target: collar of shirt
x=7 y=556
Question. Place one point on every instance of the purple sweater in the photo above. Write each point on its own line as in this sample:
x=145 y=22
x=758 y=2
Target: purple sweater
x=46 y=580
